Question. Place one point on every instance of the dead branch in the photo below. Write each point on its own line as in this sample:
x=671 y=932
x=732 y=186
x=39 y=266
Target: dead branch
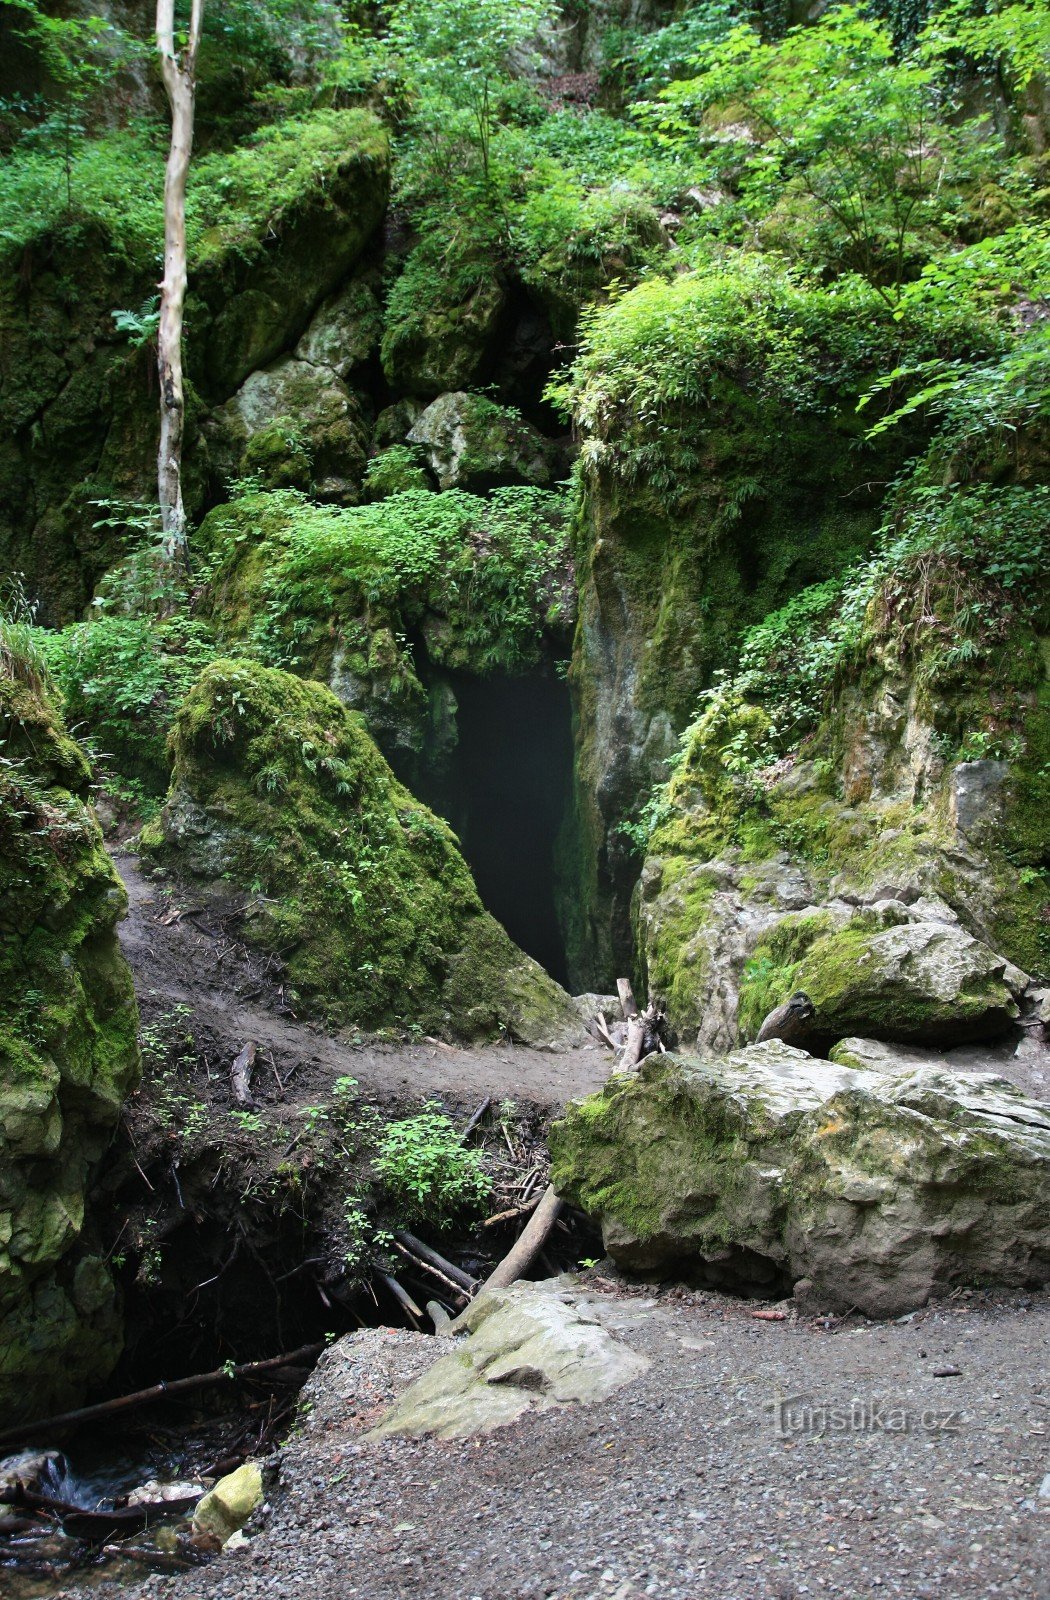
x=427 y=1255
x=241 y=1076
x=530 y=1242
x=628 y=1005
x=157 y=1391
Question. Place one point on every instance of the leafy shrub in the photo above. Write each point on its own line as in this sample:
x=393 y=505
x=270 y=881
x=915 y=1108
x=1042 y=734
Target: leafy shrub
x=428 y=1172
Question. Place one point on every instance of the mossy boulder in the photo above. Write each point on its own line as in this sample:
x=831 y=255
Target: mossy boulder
x=768 y=1166
x=444 y=335
x=924 y=983
x=344 y=333
x=472 y=443
x=293 y=425
x=68 y=1058
x=279 y=792
x=339 y=594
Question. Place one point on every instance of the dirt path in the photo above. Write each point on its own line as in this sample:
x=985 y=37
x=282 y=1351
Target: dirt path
x=681 y=1485
x=176 y=962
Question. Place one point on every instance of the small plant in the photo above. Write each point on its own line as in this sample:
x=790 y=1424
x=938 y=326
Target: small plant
x=427 y=1170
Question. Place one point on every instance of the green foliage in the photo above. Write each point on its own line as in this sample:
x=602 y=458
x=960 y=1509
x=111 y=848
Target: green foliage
x=428 y=1172
x=846 y=154
x=121 y=679
x=494 y=568
x=653 y=362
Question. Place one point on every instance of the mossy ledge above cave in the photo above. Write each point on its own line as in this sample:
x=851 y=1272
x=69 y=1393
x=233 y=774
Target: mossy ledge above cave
x=68 y=1056
x=280 y=797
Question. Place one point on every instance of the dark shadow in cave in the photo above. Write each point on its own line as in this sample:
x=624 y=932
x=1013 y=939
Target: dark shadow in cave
x=506 y=794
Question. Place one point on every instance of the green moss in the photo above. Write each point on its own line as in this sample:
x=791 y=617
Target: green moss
x=771 y=974
x=68 y=1054
x=394 y=471
x=278 y=790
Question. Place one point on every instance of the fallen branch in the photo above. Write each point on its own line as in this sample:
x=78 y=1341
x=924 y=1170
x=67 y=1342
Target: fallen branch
x=157 y=1391
x=628 y=1004
x=435 y=1272
x=476 y=1118
x=241 y=1076
x=401 y=1295
x=512 y=1213
x=603 y=1028
x=529 y=1244
x=426 y=1254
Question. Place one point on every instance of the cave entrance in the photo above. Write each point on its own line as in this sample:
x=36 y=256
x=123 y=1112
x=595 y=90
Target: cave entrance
x=506 y=793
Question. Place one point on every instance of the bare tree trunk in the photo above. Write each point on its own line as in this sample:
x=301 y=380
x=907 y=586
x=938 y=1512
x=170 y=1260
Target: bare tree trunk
x=179 y=70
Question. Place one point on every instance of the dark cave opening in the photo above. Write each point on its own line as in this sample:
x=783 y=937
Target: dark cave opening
x=506 y=793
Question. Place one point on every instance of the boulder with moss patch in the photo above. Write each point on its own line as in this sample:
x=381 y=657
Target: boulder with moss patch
x=472 y=443
x=441 y=335
x=68 y=1057
x=278 y=791
x=768 y=1166
x=293 y=425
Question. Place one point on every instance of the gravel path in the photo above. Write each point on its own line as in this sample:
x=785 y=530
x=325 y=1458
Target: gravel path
x=680 y=1485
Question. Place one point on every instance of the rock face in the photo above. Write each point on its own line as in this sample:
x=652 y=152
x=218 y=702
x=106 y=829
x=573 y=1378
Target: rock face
x=767 y=1167
x=78 y=418
x=278 y=791
x=470 y=443
x=531 y=1347
x=899 y=886
x=68 y=1057
x=754 y=503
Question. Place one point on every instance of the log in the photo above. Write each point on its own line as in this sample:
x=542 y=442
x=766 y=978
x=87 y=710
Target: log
x=628 y=1005
x=435 y=1272
x=157 y=1391
x=632 y=1050
x=438 y=1316
x=241 y=1076
x=426 y=1252
x=476 y=1118
x=401 y=1295
x=530 y=1242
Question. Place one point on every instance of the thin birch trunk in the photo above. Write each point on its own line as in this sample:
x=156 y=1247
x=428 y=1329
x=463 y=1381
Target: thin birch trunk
x=178 y=69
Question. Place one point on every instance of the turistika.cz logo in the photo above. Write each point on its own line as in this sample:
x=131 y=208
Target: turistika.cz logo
x=797 y=1416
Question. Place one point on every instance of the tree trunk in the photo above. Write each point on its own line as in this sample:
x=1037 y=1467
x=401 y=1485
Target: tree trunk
x=179 y=70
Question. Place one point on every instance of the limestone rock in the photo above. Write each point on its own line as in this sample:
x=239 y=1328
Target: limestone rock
x=345 y=331
x=225 y=1509
x=531 y=1347
x=921 y=983
x=293 y=425
x=68 y=1056
x=882 y=1188
x=471 y=443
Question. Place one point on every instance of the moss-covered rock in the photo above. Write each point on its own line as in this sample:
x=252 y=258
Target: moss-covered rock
x=883 y=1189
x=278 y=791
x=68 y=1057
x=293 y=425
x=883 y=814
x=339 y=594
x=344 y=333
x=441 y=335
x=472 y=443
x=278 y=224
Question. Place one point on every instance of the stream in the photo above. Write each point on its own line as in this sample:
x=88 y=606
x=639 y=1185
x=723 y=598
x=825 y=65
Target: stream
x=145 y=1462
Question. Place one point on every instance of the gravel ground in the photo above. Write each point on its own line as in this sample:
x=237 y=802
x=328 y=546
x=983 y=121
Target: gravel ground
x=681 y=1485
